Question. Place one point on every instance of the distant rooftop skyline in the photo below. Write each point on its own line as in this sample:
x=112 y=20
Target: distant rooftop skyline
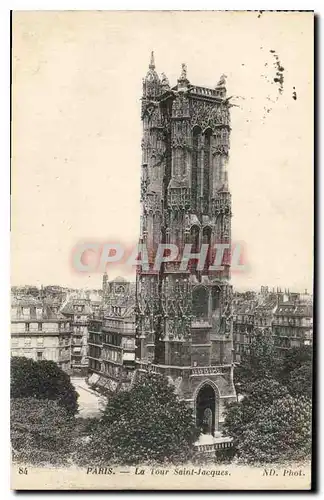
x=236 y=289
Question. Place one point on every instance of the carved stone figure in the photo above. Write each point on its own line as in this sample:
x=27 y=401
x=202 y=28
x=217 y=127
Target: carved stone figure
x=222 y=81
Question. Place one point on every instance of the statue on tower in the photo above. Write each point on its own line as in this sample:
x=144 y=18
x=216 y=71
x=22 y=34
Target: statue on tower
x=165 y=82
x=183 y=72
x=222 y=81
x=183 y=81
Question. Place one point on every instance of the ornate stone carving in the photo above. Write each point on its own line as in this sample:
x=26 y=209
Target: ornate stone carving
x=220 y=150
x=160 y=134
x=222 y=204
x=152 y=204
x=144 y=185
x=183 y=75
x=165 y=85
x=148 y=108
x=180 y=141
x=226 y=226
x=179 y=198
x=205 y=114
x=145 y=143
x=207 y=370
x=222 y=81
x=158 y=155
x=227 y=311
x=180 y=107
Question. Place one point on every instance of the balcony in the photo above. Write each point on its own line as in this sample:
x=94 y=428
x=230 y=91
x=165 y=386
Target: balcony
x=42 y=333
x=200 y=323
x=81 y=321
x=176 y=371
x=209 y=370
x=217 y=445
x=94 y=356
x=94 y=341
x=126 y=328
x=207 y=92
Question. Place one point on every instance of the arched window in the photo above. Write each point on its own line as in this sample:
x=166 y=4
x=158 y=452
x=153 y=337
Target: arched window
x=195 y=245
x=194 y=238
x=215 y=298
x=206 y=175
x=184 y=162
x=206 y=240
x=200 y=302
x=195 y=172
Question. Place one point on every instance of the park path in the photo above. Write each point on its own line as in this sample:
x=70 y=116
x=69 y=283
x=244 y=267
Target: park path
x=90 y=403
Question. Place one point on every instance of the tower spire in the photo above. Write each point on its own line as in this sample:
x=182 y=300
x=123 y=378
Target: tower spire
x=151 y=83
x=152 y=62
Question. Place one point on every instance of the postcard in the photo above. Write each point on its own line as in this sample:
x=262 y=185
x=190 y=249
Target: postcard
x=162 y=250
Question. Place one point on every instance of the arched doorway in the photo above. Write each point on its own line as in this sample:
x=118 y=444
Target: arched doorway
x=206 y=409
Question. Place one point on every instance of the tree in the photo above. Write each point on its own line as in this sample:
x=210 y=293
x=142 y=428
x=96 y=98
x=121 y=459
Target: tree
x=261 y=361
x=42 y=380
x=300 y=381
x=269 y=425
x=293 y=359
x=147 y=424
x=259 y=395
x=41 y=431
x=264 y=361
x=282 y=432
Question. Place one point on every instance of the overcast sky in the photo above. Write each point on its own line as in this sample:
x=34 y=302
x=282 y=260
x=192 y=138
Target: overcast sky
x=77 y=132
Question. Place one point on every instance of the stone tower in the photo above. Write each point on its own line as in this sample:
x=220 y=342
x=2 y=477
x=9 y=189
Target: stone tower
x=183 y=315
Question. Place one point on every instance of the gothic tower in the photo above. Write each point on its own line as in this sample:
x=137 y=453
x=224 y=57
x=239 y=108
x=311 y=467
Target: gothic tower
x=184 y=320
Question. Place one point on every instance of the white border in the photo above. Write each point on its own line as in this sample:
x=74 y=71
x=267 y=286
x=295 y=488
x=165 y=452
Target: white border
x=163 y=5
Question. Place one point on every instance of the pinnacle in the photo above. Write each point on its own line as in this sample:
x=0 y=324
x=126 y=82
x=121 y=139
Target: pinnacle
x=152 y=62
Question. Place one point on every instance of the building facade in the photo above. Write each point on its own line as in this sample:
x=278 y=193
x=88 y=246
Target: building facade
x=183 y=316
x=40 y=332
x=292 y=324
x=76 y=309
x=112 y=338
x=284 y=316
